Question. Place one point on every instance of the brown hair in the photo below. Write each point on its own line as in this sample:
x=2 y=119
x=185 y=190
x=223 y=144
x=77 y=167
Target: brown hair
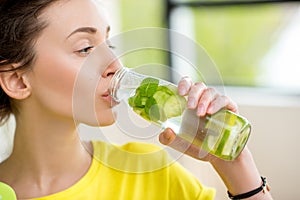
x=19 y=28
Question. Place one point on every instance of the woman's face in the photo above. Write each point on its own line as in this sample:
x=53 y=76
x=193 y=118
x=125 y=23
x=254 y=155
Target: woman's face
x=75 y=28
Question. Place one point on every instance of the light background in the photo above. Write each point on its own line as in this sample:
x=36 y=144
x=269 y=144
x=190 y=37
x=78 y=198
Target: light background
x=274 y=115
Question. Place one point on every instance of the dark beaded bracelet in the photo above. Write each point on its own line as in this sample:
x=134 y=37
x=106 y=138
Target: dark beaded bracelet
x=252 y=192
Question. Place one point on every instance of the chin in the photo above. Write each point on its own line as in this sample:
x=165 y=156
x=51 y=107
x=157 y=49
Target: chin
x=105 y=118
x=100 y=123
x=107 y=122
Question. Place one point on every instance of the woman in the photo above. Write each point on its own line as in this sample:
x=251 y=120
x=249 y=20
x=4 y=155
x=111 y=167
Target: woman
x=43 y=45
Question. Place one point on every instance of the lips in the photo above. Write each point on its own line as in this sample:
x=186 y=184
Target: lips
x=106 y=94
x=108 y=98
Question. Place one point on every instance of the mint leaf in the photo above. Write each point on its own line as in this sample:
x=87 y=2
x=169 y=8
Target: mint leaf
x=148 y=87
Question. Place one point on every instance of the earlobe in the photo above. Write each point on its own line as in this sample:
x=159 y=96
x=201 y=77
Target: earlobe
x=15 y=84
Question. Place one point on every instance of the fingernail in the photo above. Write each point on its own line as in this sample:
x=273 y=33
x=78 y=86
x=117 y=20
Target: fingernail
x=182 y=90
x=167 y=135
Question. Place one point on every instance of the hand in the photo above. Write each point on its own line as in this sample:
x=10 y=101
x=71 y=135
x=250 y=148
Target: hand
x=206 y=101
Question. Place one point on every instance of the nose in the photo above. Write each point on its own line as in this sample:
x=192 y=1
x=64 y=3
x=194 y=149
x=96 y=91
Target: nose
x=112 y=68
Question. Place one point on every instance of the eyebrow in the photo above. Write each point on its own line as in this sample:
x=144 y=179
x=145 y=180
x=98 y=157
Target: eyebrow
x=84 y=30
x=90 y=30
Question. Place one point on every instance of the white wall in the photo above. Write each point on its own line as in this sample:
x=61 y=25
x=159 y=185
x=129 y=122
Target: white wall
x=275 y=142
x=275 y=145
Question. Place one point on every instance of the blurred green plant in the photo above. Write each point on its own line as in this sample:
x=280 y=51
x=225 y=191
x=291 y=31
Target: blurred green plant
x=236 y=37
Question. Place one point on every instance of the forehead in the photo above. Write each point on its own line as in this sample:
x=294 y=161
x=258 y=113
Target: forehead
x=67 y=15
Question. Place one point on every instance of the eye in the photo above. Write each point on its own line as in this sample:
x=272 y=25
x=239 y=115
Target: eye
x=85 y=51
x=110 y=45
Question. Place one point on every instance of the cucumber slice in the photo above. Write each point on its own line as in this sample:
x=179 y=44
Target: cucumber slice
x=174 y=106
x=214 y=127
x=230 y=121
x=169 y=89
x=167 y=98
x=156 y=113
x=161 y=97
x=157 y=103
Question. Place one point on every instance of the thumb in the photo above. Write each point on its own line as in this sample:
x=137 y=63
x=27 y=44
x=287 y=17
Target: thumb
x=167 y=136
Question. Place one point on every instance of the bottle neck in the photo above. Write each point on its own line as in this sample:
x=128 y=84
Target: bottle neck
x=124 y=83
x=116 y=81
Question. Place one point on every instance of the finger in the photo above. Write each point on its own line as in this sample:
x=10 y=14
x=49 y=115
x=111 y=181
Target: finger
x=184 y=85
x=194 y=95
x=169 y=138
x=185 y=147
x=206 y=99
x=222 y=102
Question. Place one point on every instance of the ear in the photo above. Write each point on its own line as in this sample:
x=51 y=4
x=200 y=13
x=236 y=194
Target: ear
x=15 y=83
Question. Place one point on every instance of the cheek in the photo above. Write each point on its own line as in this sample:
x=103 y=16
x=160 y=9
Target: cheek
x=54 y=80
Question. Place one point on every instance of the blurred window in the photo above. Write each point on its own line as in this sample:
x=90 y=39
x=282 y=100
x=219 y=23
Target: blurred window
x=253 y=45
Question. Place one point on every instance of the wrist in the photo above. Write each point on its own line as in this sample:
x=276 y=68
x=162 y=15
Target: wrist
x=240 y=175
x=262 y=188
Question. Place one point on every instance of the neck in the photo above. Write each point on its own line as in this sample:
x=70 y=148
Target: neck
x=47 y=152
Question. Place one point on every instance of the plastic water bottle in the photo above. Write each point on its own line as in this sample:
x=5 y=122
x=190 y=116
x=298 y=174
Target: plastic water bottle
x=223 y=134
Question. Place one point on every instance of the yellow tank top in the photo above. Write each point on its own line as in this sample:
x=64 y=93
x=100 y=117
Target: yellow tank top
x=135 y=171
